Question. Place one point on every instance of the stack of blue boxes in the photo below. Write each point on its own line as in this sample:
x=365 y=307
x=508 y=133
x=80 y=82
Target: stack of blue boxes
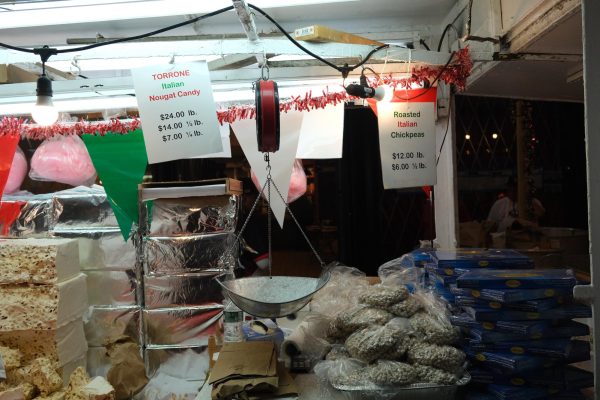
x=445 y=266
x=517 y=324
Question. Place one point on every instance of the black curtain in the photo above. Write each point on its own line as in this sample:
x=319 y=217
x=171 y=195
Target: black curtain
x=375 y=226
x=360 y=191
x=194 y=169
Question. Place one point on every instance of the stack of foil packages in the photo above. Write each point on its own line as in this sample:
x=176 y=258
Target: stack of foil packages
x=183 y=241
x=156 y=288
x=108 y=262
x=517 y=323
x=110 y=265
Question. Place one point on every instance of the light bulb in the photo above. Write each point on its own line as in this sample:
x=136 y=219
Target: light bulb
x=43 y=112
x=468 y=137
x=384 y=93
x=494 y=136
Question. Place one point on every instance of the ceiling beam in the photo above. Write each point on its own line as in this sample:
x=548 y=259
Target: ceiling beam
x=231 y=61
x=234 y=47
x=410 y=35
x=538 y=22
x=124 y=85
x=18 y=74
x=539 y=57
x=179 y=38
x=30 y=72
x=3 y=73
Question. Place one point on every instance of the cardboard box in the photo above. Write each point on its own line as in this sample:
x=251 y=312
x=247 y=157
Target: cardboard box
x=244 y=367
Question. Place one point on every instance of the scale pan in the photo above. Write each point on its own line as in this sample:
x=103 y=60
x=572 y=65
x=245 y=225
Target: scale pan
x=272 y=297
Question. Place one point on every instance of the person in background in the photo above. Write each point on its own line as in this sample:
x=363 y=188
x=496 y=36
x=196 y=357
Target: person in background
x=504 y=211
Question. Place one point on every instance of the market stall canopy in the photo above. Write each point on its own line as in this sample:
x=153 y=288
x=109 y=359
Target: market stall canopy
x=231 y=49
x=527 y=40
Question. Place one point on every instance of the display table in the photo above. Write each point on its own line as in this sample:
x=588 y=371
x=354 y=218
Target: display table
x=308 y=386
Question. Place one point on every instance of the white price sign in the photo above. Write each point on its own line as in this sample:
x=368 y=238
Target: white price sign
x=407 y=140
x=177 y=111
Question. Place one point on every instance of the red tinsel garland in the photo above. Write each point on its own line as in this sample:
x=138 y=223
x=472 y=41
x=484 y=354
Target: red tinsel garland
x=18 y=125
x=455 y=73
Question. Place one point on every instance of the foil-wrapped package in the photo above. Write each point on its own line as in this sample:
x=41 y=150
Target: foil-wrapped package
x=198 y=253
x=112 y=288
x=103 y=323
x=189 y=326
x=103 y=249
x=195 y=289
x=175 y=372
x=25 y=215
x=193 y=215
x=83 y=208
x=98 y=362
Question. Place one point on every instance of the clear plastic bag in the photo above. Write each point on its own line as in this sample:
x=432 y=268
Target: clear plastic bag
x=431 y=330
x=297 y=186
x=352 y=379
x=371 y=343
x=18 y=171
x=343 y=373
x=341 y=292
x=407 y=269
x=308 y=338
x=401 y=330
x=413 y=278
x=391 y=373
x=426 y=374
x=337 y=352
x=383 y=295
x=447 y=358
x=432 y=324
x=406 y=308
x=63 y=159
x=359 y=317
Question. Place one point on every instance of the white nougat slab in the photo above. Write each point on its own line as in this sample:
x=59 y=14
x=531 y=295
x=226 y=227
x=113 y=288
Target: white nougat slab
x=63 y=345
x=40 y=261
x=24 y=307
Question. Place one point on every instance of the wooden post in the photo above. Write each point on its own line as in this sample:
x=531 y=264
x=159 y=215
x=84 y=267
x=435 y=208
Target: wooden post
x=591 y=82
x=522 y=179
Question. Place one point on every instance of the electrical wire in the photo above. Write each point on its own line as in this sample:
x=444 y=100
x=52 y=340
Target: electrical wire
x=439 y=47
x=145 y=35
x=437 y=160
x=125 y=39
x=372 y=71
x=344 y=69
x=437 y=78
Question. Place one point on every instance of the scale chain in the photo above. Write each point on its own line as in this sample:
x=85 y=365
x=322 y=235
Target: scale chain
x=269 y=216
x=299 y=227
x=267 y=185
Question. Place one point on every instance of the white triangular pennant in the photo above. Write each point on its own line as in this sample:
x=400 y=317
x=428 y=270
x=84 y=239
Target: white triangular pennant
x=322 y=133
x=282 y=161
